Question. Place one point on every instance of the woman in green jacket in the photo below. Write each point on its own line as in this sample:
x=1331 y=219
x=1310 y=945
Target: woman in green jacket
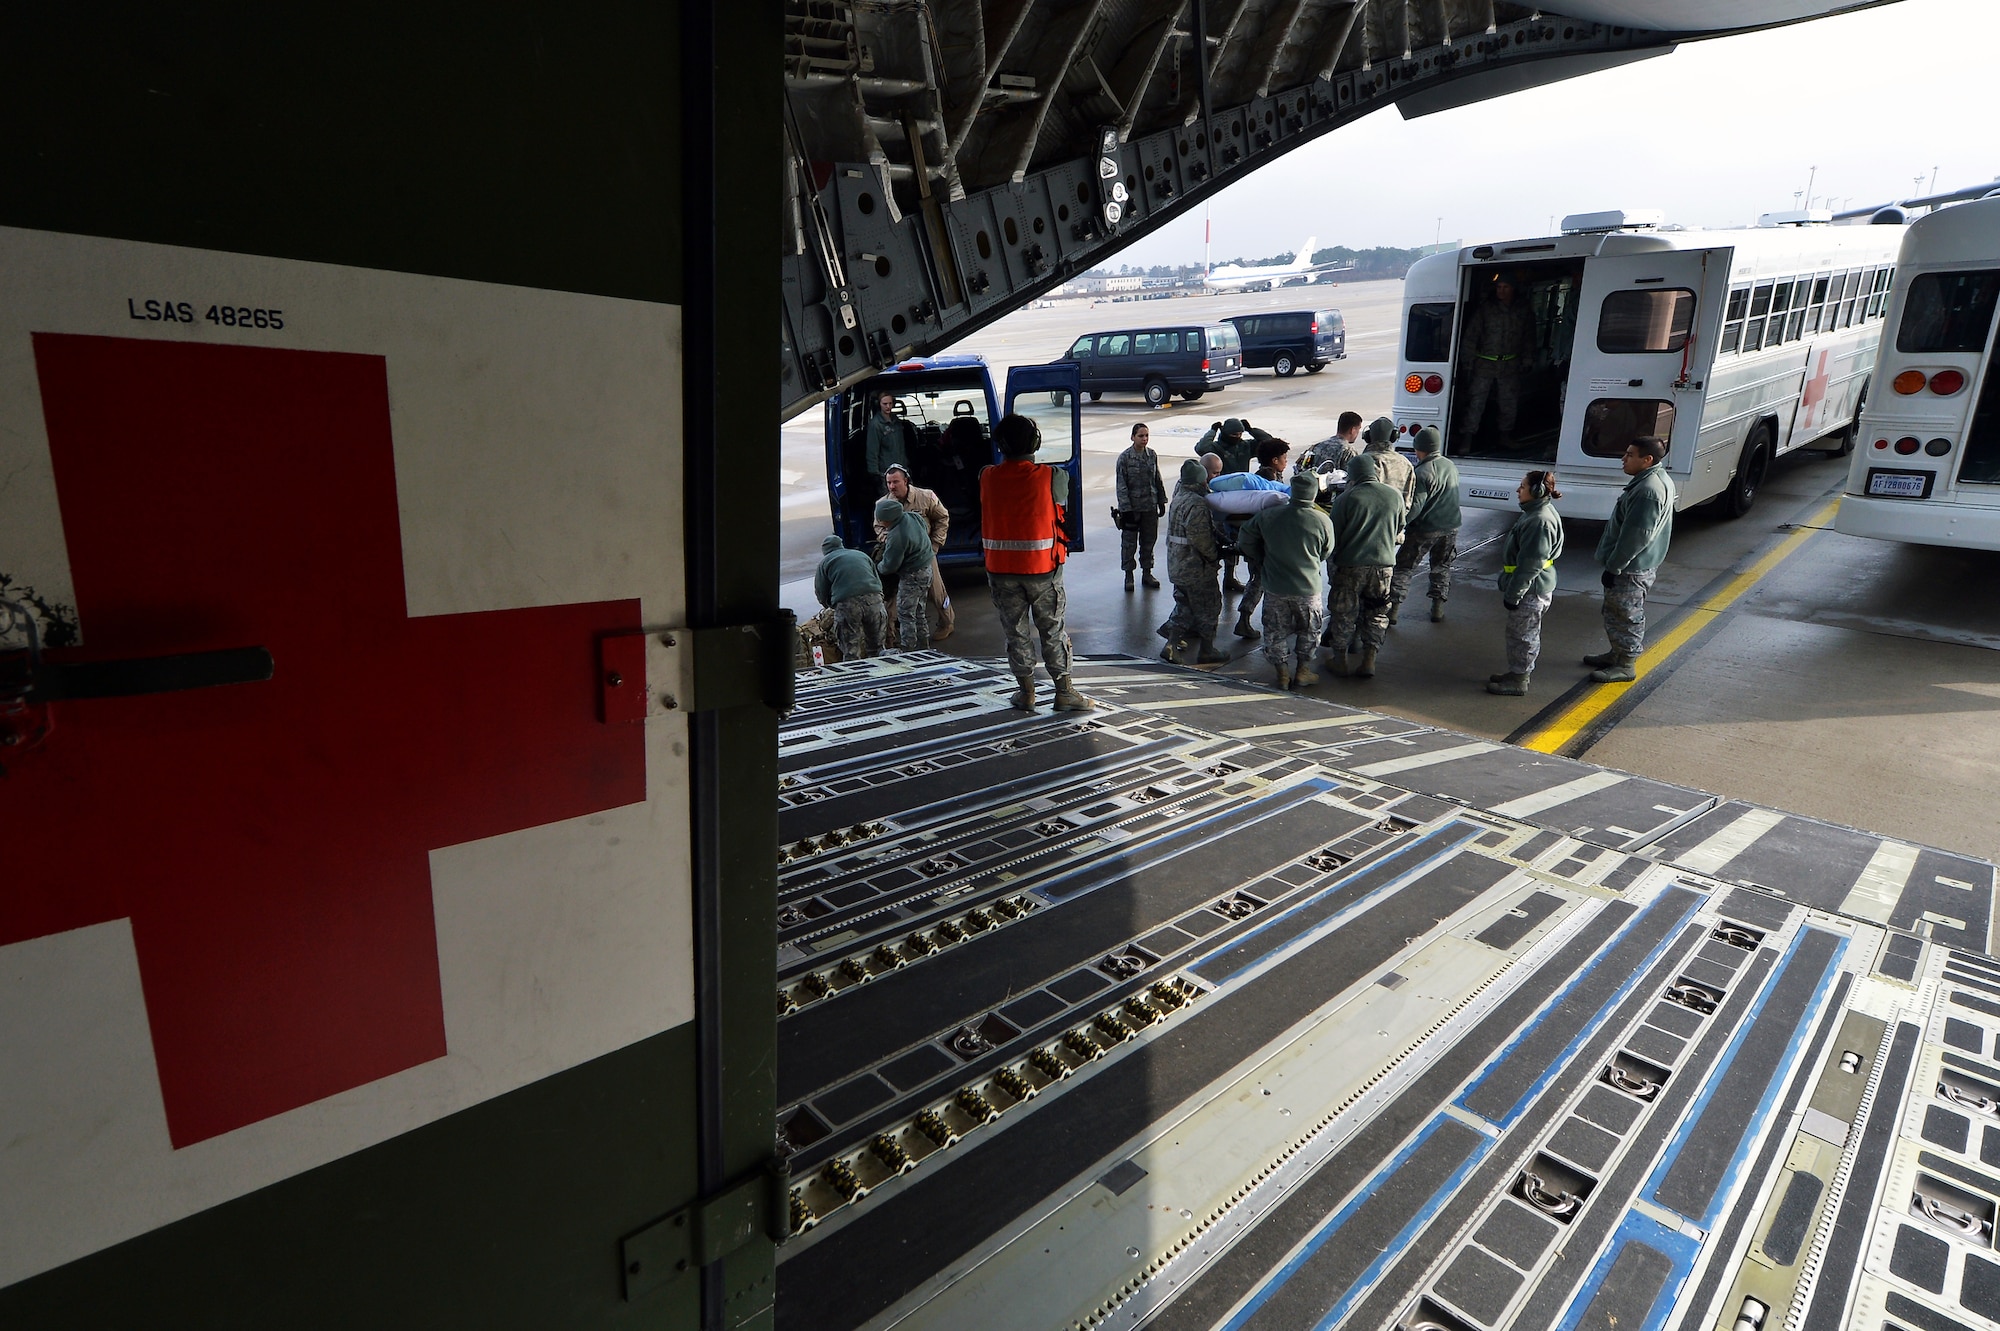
x=1528 y=578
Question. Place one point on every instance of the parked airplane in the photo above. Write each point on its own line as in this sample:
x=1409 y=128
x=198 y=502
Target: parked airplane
x=1236 y=277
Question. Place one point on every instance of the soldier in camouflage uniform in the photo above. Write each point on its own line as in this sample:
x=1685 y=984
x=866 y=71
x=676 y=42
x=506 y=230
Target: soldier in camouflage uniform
x=1431 y=527
x=1632 y=548
x=1367 y=525
x=1528 y=579
x=1288 y=545
x=907 y=557
x=846 y=580
x=1272 y=459
x=1142 y=500
x=1499 y=335
x=1193 y=560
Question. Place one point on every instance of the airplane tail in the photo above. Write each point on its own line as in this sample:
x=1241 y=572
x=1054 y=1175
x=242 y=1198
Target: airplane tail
x=1304 y=258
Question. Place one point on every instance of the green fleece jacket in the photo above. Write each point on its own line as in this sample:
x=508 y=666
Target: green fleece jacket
x=1642 y=524
x=906 y=550
x=1528 y=559
x=1367 y=519
x=1435 y=506
x=843 y=573
x=1287 y=545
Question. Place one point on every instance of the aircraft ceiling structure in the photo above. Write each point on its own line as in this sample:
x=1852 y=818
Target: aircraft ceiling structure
x=949 y=160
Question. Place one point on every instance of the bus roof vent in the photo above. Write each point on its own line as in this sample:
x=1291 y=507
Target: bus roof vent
x=1797 y=217
x=1618 y=219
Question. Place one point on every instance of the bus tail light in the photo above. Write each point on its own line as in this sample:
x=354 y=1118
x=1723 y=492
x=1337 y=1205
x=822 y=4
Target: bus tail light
x=1434 y=383
x=1907 y=445
x=1910 y=381
x=1414 y=383
x=1946 y=382
x=1881 y=443
x=1937 y=448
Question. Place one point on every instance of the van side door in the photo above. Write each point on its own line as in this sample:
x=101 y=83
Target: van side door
x=1114 y=364
x=1048 y=395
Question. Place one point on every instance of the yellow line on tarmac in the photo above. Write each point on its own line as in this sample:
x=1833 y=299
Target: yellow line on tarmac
x=1592 y=705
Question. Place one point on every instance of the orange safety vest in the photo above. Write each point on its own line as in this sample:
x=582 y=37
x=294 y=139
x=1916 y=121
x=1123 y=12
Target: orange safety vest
x=1020 y=521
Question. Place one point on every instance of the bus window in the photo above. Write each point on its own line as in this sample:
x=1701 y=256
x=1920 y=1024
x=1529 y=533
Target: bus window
x=1083 y=347
x=1981 y=463
x=1781 y=304
x=1818 y=304
x=1881 y=297
x=1641 y=321
x=1760 y=305
x=1610 y=423
x=1429 y=335
x=1949 y=311
x=1732 y=319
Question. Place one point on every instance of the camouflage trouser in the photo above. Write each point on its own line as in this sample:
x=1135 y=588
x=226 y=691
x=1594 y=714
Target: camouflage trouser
x=943 y=618
x=913 y=611
x=860 y=623
x=1358 y=592
x=1291 y=629
x=1139 y=542
x=1524 y=632
x=1507 y=387
x=1197 y=608
x=1441 y=546
x=1253 y=592
x=1021 y=598
x=1625 y=612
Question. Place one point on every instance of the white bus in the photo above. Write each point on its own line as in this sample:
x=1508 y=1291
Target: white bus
x=1735 y=346
x=1928 y=469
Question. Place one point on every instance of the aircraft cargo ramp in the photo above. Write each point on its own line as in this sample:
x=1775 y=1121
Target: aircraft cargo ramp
x=1222 y=1007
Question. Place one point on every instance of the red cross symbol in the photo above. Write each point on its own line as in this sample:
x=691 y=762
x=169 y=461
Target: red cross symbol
x=1815 y=392
x=269 y=842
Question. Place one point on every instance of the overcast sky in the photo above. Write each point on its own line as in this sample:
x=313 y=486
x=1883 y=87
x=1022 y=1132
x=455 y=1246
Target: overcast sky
x=1714 y=133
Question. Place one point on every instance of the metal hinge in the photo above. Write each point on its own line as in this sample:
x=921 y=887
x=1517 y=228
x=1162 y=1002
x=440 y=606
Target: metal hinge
x=656 y=671
x=707 y=1231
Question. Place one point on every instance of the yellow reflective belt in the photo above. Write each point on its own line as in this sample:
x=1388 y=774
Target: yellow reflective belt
x=1509 y=568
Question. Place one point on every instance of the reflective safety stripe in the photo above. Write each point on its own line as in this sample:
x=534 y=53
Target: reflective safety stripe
x=1483 y=356
x=1179 y=540
x=992 y=544
x=1509 y=568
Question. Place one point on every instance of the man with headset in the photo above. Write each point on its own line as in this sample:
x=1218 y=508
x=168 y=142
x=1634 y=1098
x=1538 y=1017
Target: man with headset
x=1021 y=510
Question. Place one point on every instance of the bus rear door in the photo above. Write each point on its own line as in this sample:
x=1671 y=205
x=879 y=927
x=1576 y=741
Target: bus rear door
x=1640 y=350
x=1048 y=395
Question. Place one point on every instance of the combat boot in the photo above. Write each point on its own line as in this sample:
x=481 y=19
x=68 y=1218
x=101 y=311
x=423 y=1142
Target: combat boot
x=1209 y=655
x=1336 y=661
x=1245 y=629
x=1509 y=685
x=1437 y=610
x=1366 y=670
x=1305 y=679
x=1023 y=697
x=1230 y=584
x=1284 y=677
x=1069 y=700
x=1172 y=651
x=1148 y=581
x=1128 y=579
x=1619 y=671
x=1394 y=608
x=1600 y=660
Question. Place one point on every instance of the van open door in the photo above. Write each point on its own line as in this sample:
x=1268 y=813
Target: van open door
x=1048 y=395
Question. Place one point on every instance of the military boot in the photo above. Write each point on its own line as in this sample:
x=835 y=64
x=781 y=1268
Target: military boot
x=1128 y=579
x=1148 y=581
x=1023 y=697
x=1394 y=607
x=1069 y=700
x=1305 y=679
x=1437 y=610
x=1172 y=651
x=1209 y=654
x=1366 y=670
x=1599 y=660
x=1336 y=661
x=1245 y=629
x=1619 y=671
x=1284 y=677
x=1509 y=685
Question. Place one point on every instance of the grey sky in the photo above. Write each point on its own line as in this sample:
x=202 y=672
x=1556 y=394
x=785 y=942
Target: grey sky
x=1714 y=133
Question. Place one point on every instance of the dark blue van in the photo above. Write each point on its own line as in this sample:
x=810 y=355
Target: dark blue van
x=1290 y=340
x=1188 y=359
x=948 y=406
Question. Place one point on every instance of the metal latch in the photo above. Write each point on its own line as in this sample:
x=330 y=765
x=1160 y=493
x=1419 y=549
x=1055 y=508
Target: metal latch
x=707 y=1231
x=657 y=671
